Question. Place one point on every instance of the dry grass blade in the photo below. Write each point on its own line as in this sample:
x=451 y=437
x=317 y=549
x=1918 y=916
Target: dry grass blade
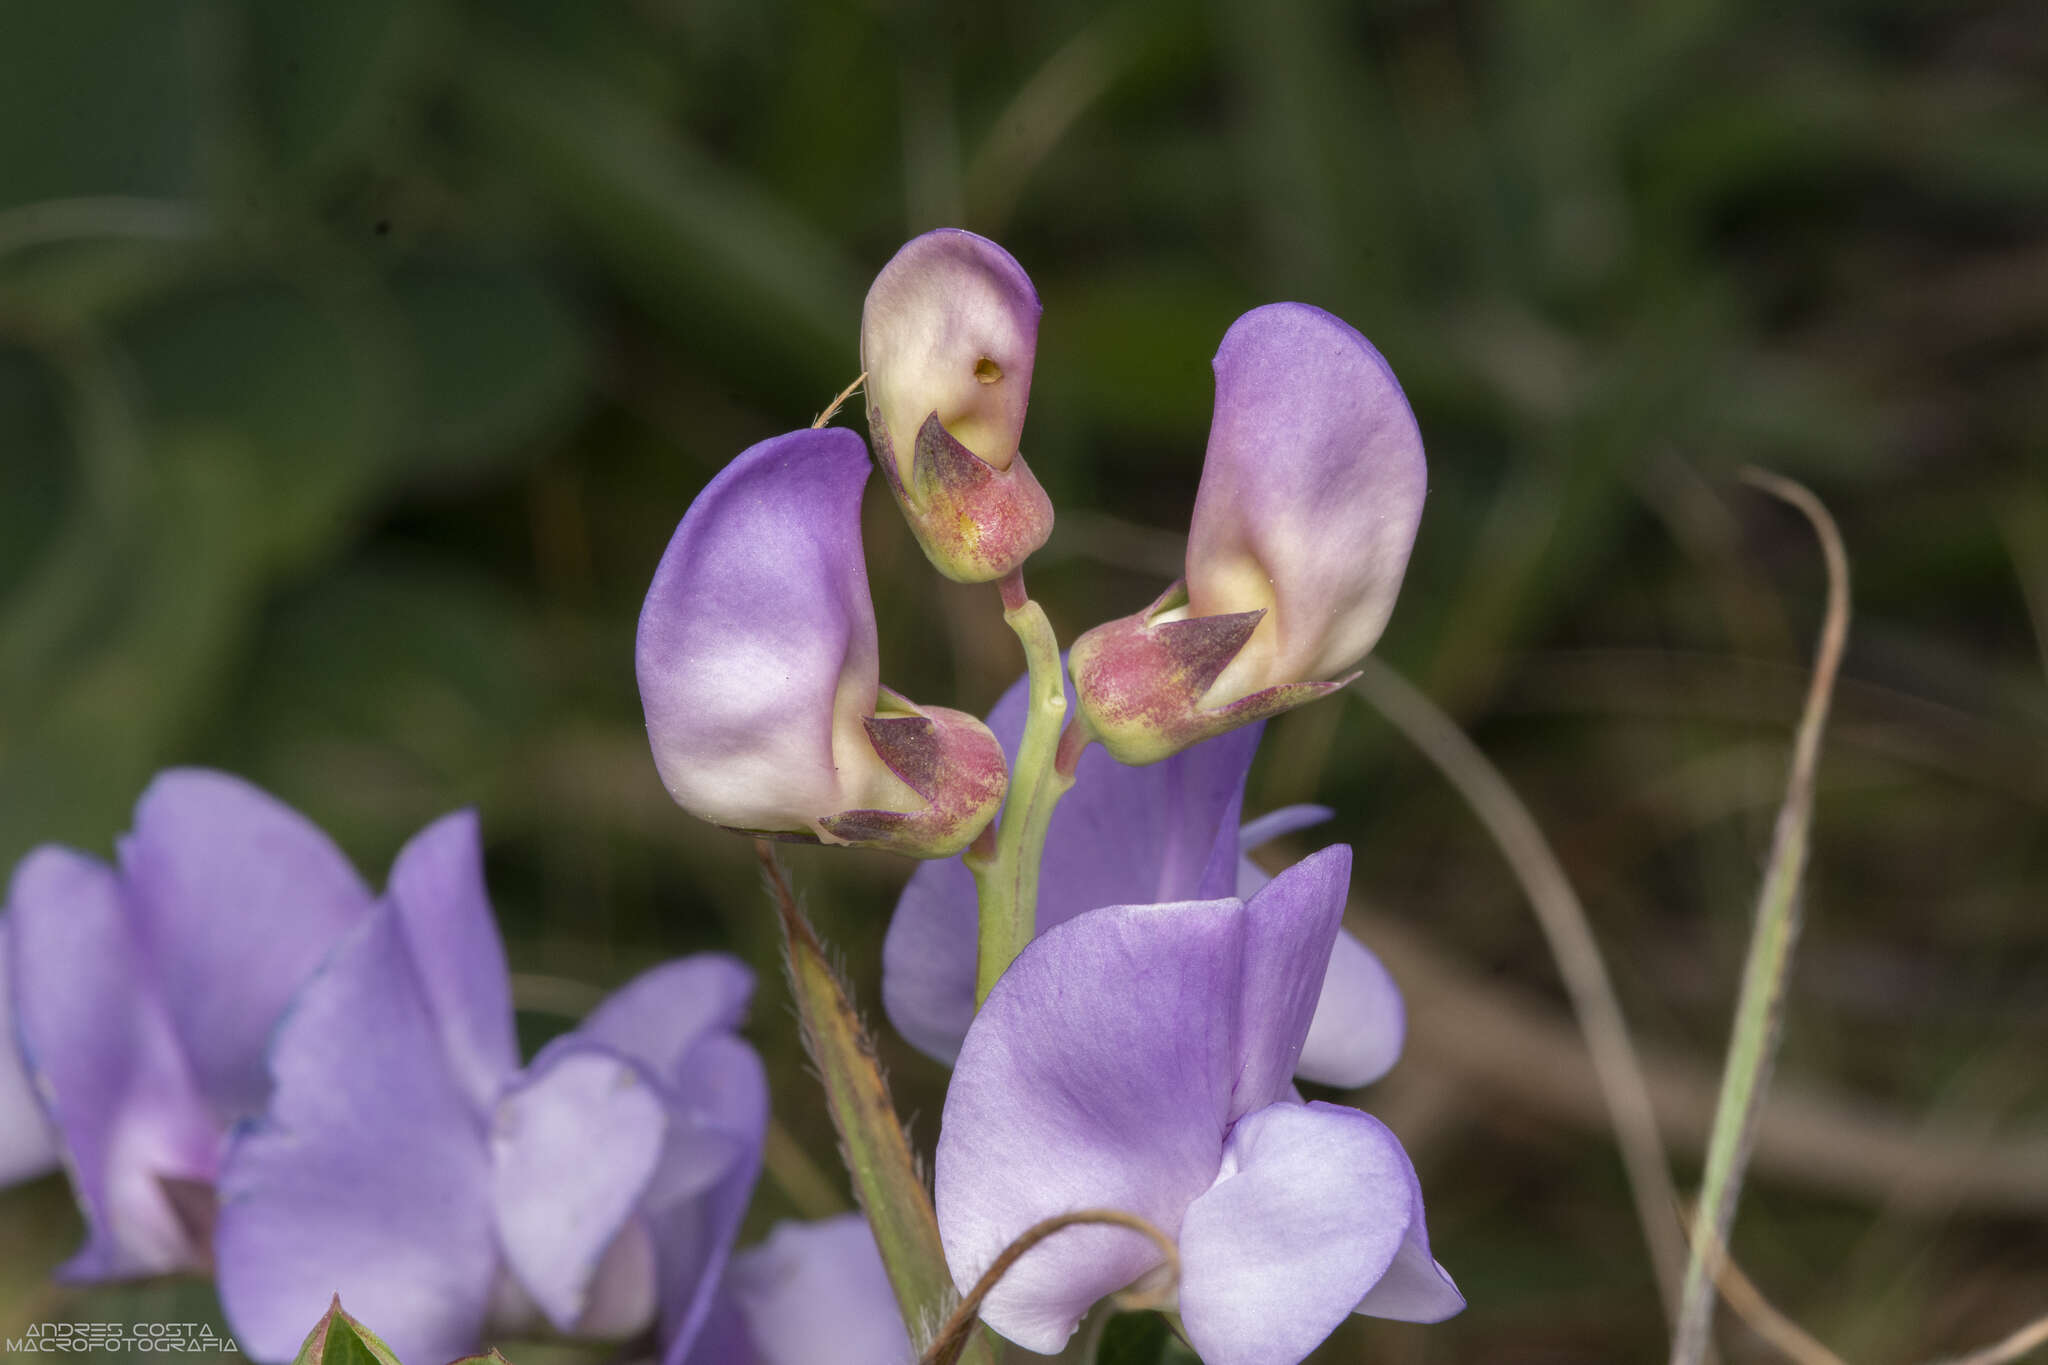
x=1564 y=925
x=1759 y=1011
x=959 y=1329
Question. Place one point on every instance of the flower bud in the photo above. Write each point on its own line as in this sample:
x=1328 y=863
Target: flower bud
x=1311 y=492
x=759 y=670
x=947 y=337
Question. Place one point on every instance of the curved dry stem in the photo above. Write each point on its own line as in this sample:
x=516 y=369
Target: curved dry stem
x=959 y=1328
x=1787 y=1337
x=832 y=408
x=1570 y=936
x=1759 y=1010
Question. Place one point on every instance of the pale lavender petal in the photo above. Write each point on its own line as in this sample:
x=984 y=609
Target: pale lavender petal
x=1277 y=824
x=625 y=1289
x=950 y=326
x=28 y=1144
x=756 y=654
x=367 y=1176
x=1314 y=1205
x=574 y=1144
x=237 y=898
x=722 y=1338
x=718 y=1117
x=661 y=1015
x=1360 y=1021
x=1311 y=492
x=437 y=883
x=97 y=1040
x=817 y=1292
x=1289 y=929
x=928 y=958
x=1122 y=836
x=1097 y=1075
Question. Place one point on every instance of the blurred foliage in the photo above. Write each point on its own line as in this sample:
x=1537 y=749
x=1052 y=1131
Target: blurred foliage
x=356 y=360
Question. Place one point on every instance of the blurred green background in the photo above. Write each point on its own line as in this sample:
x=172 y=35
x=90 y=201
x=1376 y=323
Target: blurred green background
x=357 y=358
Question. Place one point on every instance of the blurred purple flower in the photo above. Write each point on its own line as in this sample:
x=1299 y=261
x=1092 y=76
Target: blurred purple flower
x=812 y=1292
x=408 y=1163
x=760 y=673
x=142 y=998
x=948 y=337
x=1133 y=836
x=28 y=1144
x=1311 y=493
x=1137 y=1058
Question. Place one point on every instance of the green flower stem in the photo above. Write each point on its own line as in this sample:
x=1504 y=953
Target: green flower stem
x=1007 y=877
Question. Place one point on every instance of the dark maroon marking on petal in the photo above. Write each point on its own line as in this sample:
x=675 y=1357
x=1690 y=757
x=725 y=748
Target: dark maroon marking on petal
x=909 y=745
x=1203 y=646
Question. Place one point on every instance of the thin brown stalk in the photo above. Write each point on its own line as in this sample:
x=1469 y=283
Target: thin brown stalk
x=832 y=408
x=1747 y=1301
x=959 y=1328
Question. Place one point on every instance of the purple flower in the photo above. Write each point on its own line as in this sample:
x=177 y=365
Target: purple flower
x=143 y=993
x=1133 y=836
x=1311 y=493
x=1137 y=1058
x=812 y=1292
x=406 y=1162
x=760 y=674
x=947 y=338
x=28 y=1145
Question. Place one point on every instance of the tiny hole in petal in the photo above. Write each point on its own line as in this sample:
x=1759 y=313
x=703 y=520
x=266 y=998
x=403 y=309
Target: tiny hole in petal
x=987 y=371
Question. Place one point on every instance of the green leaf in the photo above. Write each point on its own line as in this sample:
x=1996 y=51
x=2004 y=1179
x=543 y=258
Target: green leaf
x=338 y=1339
x=878 y=1155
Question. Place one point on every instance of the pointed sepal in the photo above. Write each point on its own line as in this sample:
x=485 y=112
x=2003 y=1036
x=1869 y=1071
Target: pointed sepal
x=975 y=522
x=338 y=1339
x=947 y=757
x=1141 y=681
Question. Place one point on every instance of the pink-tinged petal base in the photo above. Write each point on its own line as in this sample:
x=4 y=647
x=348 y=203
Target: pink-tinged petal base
x=950 y=326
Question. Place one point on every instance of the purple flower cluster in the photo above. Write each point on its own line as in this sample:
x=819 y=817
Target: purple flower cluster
x=251 y=1065
x=1140 y=1053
